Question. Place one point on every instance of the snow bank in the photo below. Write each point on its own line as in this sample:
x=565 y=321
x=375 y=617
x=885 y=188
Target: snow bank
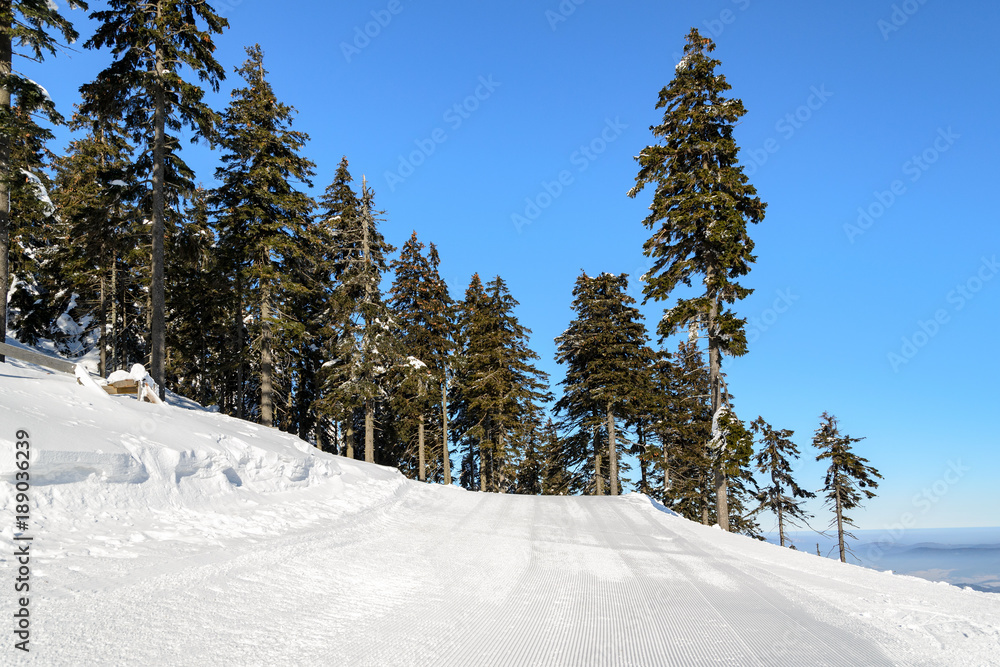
x=94 y=452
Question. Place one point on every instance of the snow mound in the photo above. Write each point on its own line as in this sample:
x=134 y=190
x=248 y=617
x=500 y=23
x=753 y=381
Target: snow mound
x=90 y=450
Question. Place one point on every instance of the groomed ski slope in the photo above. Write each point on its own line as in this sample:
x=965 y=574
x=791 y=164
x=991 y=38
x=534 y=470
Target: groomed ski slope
x=167 y=536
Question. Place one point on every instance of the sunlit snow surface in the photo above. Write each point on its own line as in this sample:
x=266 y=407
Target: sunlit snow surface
x=165 y=536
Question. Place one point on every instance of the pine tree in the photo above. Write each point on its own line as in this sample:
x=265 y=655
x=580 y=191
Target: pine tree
x=848 y=480
x=308 y=333
x=734 y=449
x=773 y=461
x=99 y=229
x=25 y=25
x=606 y=356
x=683 y=430
x=203 y=360
x=37 y=294
x=423 y=311
x=464 y=420
x=366 y=349
x=151 y=41
x=555 y=462
x=699 y=213
x=261 y=214
x=499 y=391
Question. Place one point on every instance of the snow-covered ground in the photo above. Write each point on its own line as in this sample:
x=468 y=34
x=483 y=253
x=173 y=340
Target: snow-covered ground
x=169 y=536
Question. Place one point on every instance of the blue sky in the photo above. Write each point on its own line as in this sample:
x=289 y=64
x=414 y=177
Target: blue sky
x=869 y=135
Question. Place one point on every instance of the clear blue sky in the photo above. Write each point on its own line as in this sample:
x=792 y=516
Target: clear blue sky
x=841 y=98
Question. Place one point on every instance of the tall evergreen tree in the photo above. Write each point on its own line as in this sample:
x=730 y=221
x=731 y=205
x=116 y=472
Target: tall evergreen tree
x=203 y=359
x=773 y=461
x=499 y=390
x=606 y=356
x=26 y=30
x=849 y=480
x=734 y=442
x=99 y=228
x=423 y=311
x=701 y=206
x=683 y=431
x=152 y=41
x=261 y=214
x=366 y=349
x=37 y=294
x=555 y=462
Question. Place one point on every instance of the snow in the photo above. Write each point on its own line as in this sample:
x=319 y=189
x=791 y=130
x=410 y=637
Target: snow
x=41 y=89
x=174 y=536
x=40 y=192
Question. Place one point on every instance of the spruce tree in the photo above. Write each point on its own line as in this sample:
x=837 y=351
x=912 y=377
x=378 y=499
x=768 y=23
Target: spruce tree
x=308 y=333
x=203 y=359
x=849 y=480
x=773 y=461
x=463 y=419
x=98 y=228
x=37 y=294
x=701 y=206
x=736 y=444
x=555 y=462
x=683 y=431
x=499 y=391
x=152 y=41
x=424 y=314
x=261 y=213
x=26 y=30
x=366 y=349
x=606 y=356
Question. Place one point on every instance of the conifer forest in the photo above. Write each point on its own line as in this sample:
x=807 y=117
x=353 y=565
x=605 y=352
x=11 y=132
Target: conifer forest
x=301 y=314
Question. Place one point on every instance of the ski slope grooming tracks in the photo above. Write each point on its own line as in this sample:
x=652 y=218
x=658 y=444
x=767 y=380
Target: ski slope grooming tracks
x=204 y=540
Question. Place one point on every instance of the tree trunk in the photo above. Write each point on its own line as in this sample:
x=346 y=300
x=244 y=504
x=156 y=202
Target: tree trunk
x=114 y=312
x=612 y=452
x=780 y=512
x=840 y=523
x=422 y=473
x=266 y=360
x=370 y=431
x=598 y=477
x=705 y=518
x=240 y=342
x=5 y=174
x=714 y=369
x=102 y=369
x=482 y=459
x=349 y=437
x=643 y=464
x=446 y=455
x=158 y=329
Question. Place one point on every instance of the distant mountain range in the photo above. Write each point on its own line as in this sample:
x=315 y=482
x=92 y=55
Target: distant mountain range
x=964 y=557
